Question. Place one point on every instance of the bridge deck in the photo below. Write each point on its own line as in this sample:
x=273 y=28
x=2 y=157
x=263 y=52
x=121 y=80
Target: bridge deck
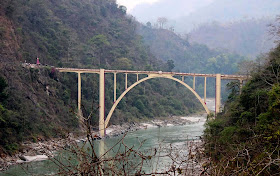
x=77 y=70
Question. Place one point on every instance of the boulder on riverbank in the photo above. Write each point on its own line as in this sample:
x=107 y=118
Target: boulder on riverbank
x=32 y=158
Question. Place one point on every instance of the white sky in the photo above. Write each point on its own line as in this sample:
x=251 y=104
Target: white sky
x=149 y=10
x=130 y=4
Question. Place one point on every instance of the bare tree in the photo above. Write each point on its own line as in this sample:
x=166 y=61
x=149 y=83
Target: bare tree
x=162 y=21
x=275 y=30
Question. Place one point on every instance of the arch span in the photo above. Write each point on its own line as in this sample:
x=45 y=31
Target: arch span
x=145 y=79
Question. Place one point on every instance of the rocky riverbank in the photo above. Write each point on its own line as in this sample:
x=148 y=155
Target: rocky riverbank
x=116 y=130
x=33 y=152
x=197 y=163
x=45 y=149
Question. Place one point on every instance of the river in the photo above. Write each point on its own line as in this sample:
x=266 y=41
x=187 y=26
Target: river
x=177 y=136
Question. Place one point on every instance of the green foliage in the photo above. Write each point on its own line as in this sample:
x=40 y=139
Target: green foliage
x=3 y=85
x=226 y=136
x=99 y=41
x=9 y=122
x=170 y=65
x=138 y=104
x=190 y=58
x=250 y=123
x=274 y=100
x=122 y=64
x=234 y=88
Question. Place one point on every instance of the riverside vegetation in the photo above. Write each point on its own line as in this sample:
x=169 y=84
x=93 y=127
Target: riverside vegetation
x=244 y=138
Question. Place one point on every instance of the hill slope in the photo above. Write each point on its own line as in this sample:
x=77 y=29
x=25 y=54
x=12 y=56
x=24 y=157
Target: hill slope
x=40 y=102
x=194 y=58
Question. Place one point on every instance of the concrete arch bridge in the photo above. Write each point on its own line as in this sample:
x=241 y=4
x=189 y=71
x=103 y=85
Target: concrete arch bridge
x=103 y=122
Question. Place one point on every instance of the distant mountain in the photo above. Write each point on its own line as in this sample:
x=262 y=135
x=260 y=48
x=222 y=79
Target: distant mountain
x=194 y=58
x=166 y=45
x=228 y=10
x=168 y=8
x=246 y=37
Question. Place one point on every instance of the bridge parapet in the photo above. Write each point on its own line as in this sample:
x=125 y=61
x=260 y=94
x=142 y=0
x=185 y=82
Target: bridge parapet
x=223 y=76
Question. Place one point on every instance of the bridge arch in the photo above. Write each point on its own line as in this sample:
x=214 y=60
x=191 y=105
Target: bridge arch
x=151 y=76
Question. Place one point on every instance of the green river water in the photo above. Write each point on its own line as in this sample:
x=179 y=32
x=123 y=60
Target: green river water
x=177 y=136
x=164 y=136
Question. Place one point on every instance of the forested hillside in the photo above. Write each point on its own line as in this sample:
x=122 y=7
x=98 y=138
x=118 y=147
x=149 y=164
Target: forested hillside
x=39 y=103
x=194 y=58
x=247 y=37
x=244 y=139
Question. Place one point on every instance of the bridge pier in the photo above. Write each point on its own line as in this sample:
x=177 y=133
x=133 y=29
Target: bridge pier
x=125 y=81
x=218 y=94
x=194 y=83
x=102 y=102
x=205 y=90
x=115 y=87
x=79 y=95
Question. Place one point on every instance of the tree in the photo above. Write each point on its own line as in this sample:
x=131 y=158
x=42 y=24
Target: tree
x=3 y=85
x=123 y=9
x=162 y=21
x=100 y=43
x=246 y=67
x=122 y=63
x=275 y=29
x=170 y=65
x=149 y=24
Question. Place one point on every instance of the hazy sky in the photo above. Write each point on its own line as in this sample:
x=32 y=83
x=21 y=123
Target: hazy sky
x=145 y=10
x=130 y=4
x=184 y=15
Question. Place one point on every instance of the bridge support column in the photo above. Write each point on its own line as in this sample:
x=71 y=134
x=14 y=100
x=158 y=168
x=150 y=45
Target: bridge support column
x=218 y=93
x=79 y=95
x=115 y=87
x=205 y=90
x=125 y=81
x=137 y=77
x=194 y=83
x=183 y=78
x=102 y=103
